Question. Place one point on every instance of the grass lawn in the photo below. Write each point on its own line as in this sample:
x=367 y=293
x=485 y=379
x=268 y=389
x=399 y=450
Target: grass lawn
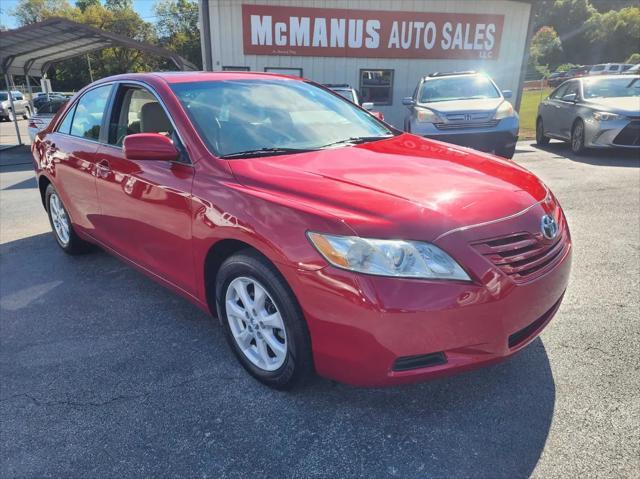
x=528 y=111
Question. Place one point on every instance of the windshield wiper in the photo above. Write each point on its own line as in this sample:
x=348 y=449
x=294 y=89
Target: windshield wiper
x=265 y=152
x=356 y=140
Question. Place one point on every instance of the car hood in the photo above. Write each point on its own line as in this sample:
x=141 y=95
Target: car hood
x=467 y=106
x=622 y=105
x=406 y=186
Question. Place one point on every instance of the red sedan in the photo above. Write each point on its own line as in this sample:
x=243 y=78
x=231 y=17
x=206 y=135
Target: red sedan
x=323 y=239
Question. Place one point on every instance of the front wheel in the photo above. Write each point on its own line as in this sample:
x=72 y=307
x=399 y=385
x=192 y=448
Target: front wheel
x=577 y=137
x=61 y=225
x=27 y=113
x=262 y=320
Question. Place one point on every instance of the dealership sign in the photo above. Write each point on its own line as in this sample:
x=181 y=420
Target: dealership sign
x=275 y=30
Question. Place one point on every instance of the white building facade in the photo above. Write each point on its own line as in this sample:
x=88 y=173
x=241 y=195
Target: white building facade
x=380 y=48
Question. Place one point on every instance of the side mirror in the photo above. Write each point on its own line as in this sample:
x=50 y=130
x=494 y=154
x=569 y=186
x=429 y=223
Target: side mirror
x=368 y=105
x=571 y=97
x=507 y=94
x=149 y=146
x=408 y=101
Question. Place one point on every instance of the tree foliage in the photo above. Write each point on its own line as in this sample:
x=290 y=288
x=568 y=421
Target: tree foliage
x=589 y=32
x=177 y=28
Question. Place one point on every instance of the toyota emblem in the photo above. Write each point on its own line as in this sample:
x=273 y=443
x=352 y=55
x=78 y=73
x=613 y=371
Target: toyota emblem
x=549 y=227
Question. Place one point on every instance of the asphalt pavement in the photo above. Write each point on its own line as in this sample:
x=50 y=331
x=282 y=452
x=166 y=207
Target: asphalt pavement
x=104 y=373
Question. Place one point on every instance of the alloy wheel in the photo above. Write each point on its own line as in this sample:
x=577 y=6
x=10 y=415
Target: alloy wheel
x=577 y=138
x=59 y=219
x=256 y=323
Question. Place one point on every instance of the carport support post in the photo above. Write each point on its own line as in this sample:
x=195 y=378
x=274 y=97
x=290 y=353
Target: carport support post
x=15 y=116
x=33 y=111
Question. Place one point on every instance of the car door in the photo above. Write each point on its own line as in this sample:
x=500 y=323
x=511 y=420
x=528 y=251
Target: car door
x=549 y=110
x=567 y=108
x=70 y=152
x=145 y=205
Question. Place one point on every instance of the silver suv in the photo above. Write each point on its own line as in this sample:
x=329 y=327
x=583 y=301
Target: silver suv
x=465 y=108
x=20 y=104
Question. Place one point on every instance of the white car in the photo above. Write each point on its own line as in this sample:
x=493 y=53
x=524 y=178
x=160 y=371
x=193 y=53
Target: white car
x=609 y=68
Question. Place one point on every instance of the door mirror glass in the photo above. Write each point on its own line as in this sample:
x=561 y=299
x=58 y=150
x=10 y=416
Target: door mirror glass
x=149 y=146
x=368 y=105
x=408 y=101
x=571 y=97
x=507 y=94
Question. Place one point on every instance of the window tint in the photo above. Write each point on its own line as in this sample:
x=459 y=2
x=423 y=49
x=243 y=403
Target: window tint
x=572 y=88
x=376 y=86
x=137 y=111
x=65 y=125
x=89 y=112
x=614 y=68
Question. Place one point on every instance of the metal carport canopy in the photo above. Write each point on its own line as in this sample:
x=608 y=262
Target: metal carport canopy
x=32 y=49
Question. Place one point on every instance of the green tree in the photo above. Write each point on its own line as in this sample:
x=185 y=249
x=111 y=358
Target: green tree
x=177 y=28
x=84 y=4
x=634 y=58
x=31 y=11
x=614 y=35
x=546 y=48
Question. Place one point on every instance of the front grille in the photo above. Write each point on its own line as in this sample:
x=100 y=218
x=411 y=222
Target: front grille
x=466 y=124
x=469 y=117
x=525 y=256
x=629 y=135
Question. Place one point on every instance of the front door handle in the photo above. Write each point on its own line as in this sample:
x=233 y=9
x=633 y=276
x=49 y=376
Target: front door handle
x=103 y=169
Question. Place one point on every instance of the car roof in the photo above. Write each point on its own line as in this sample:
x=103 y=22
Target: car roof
x=201 y=76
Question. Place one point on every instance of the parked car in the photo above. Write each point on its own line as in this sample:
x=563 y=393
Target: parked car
x=634 y=69
x=351 y=94
x=464 y=108
x=43 y=99
x=43 y=117
x=323 y=239
x=608 y=68
x=556 y=78
x=19 y=103
x=577 y=72
x=592 y=112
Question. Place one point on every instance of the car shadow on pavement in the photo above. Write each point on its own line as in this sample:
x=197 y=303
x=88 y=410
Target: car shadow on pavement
x=105 y=373
x=604 y=157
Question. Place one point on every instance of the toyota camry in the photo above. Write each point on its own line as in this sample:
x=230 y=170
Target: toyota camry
x=322 y=239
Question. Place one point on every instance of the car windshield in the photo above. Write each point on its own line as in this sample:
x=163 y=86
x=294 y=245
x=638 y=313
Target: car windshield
x=273 y=116
x=611 y=87
x=470 y=87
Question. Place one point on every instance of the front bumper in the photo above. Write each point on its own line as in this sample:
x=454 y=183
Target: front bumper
x=363 y=327
x=490 y=139
x=623 y=133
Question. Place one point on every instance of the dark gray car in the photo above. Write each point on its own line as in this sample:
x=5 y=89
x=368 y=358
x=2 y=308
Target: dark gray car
x=592 y=112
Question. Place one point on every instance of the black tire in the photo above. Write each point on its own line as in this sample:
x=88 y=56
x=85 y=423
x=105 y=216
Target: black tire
x=298 y=363
x=27 y=113
x=506 y=152
x=75 y=245
x=541 y=139
x=577 y=137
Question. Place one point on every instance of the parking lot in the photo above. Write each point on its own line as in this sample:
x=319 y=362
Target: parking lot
x=107 y=374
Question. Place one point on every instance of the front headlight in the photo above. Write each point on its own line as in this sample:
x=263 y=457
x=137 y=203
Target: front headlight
x=424 y=115
x=404 y=259
x=606 y=116
x=505 y=110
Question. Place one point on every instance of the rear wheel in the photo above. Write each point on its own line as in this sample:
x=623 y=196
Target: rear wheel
x=541 y=139
x=262 y=320
x=27 y=113
x=61 y=225
x=577 y=137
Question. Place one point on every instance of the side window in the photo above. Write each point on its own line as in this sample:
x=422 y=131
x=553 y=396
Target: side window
x=137 y=111
x=376 y=86
x=559 y=92
x=614 y=68
x=18 y=96
x=87 y=119
x=65 y=125
x=572 y=88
